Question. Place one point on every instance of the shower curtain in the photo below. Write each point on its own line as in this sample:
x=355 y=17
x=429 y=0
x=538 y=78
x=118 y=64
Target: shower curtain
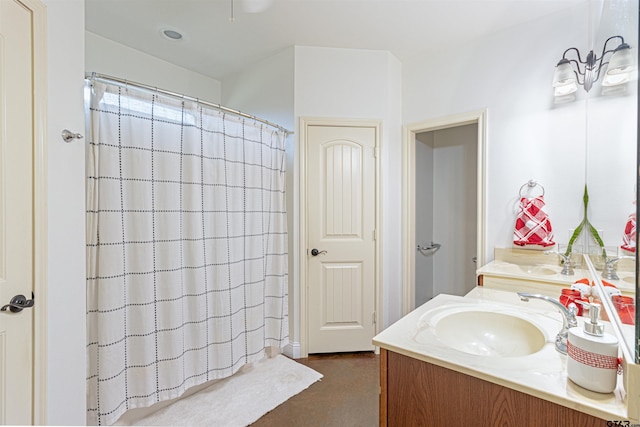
x=186 y=247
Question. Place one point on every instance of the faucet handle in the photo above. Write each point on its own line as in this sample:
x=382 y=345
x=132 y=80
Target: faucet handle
x=567 y=268
x=610 y=261
x=609 y=271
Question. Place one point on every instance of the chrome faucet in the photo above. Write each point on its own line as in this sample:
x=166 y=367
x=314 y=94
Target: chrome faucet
x=567 y=269
x=568 y=318
x=609 y=271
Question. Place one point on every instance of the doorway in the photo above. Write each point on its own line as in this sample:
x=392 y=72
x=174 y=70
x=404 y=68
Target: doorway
x=443 y=207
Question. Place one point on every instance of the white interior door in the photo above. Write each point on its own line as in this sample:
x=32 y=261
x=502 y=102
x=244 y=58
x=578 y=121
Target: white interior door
x=16 y=210
x=341 y=218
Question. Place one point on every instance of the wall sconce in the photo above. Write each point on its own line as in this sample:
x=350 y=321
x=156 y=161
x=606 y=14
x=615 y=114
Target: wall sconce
x=573 y=72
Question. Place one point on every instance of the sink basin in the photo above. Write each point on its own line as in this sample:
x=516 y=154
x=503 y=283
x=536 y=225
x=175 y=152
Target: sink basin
x=527 y=269
x=486 y=333
x=630 y=279
x=536 y=269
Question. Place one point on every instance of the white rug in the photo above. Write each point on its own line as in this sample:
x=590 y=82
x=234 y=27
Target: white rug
x=239 y=400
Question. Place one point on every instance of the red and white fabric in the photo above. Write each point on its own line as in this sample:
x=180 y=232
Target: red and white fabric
x=532 y=224
x=629 y=237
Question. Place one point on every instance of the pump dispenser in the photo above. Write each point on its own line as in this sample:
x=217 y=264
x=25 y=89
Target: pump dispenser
x=594 y=327
x=592 y=353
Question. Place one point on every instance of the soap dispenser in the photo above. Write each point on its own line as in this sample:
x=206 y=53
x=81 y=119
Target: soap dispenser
x=592 y=353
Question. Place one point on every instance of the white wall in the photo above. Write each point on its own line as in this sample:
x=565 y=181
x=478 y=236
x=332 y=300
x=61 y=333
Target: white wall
x=106 y=56
x=264 y=90
x=424 y=216
x=362 y=84
x=510 y=74
x=611 y=164
x=66 y=285
x=391 y=159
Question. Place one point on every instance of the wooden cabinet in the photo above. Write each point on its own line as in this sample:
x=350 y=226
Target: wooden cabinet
x=416 y=393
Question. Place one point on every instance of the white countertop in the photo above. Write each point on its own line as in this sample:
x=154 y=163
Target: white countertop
x=535 y=272
x=551 y=274
x=542 y=374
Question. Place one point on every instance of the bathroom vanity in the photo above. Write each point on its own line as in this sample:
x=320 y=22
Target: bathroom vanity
x=437 y=370
x=418 y=393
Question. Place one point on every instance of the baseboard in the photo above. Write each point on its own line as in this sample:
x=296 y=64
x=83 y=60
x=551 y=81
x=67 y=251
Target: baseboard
x=292 y=350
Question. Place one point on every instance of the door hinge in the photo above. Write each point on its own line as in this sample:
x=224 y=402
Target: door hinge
x=373 y=318
x=375 y=152
x=374 y=235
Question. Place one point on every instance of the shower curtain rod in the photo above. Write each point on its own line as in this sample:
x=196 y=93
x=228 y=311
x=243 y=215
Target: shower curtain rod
x=111 y=79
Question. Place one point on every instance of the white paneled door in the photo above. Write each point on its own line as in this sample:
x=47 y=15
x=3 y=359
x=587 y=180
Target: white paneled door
x=16 y=210
x=341 y=253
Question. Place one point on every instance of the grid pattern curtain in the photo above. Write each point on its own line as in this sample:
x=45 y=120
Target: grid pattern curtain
x=186 y=247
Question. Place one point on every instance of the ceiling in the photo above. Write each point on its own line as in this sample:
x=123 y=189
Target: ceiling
x=216 y=47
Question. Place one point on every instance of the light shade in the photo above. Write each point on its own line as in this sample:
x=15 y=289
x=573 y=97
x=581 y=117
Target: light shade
x=564 y=79
x=621 y=61
x=620 y=66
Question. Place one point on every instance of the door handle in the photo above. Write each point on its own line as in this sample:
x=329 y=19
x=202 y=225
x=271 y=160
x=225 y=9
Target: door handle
x=316 y=252
x=19 y=303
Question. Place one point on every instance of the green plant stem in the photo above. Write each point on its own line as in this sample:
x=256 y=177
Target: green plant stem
x=585 y=222
x=573 y=238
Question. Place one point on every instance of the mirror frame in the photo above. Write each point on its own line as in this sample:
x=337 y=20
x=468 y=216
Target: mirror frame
x=637 y=337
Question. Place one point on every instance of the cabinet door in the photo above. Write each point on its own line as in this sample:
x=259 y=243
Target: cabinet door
x=417 y=393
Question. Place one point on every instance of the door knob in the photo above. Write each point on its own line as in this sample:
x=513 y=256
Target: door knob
x=316 y=252
x=19 y=303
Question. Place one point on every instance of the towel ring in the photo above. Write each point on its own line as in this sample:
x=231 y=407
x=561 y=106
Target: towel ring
x=531 y=184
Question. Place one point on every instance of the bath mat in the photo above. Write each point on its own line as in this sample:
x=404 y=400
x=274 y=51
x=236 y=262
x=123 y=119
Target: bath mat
x=239 y=400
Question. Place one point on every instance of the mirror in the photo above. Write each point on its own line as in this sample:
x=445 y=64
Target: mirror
x=612 y=145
